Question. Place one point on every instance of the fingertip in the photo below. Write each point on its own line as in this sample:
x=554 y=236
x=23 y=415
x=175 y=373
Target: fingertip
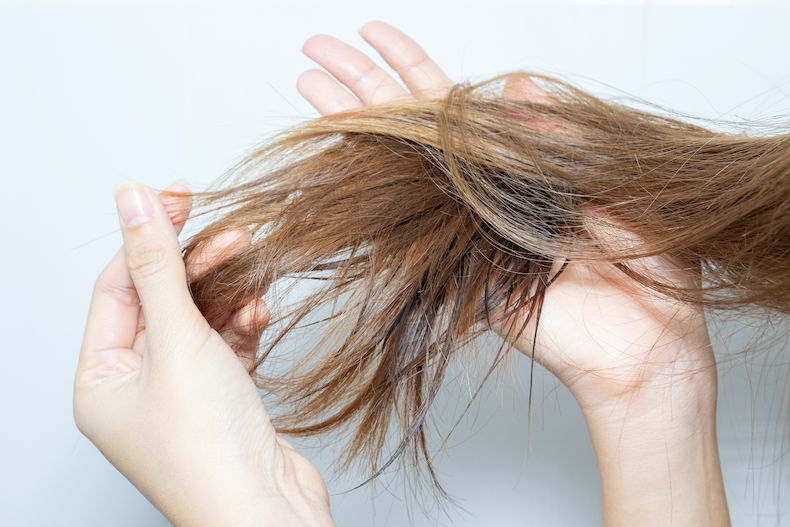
x=252 y=318
x=305 y=80
x=363 y=29
x=123 y=185
x=216 y=251
x=374 y=25
x=178 y=192
x=181 y=186
x=324 y=93
x=315 y=44
x=365 y=32
x=177 y=201
x=308 y=85
x=134 y=203
x=377 y=31
x=243 y=331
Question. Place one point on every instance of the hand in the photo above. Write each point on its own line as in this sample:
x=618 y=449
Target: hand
x=369 y=83
x=600 y=333
x=164 y=397
x=640 y=366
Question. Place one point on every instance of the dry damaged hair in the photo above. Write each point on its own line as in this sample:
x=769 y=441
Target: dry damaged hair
x=422 y=219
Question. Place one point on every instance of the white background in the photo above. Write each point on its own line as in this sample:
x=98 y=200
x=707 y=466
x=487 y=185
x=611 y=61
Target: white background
x=97 y=93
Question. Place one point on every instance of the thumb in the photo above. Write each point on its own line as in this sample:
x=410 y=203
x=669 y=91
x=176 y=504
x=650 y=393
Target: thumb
x=153 y=256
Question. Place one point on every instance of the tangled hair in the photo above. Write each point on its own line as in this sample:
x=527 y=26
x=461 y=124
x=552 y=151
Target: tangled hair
x=424 y=219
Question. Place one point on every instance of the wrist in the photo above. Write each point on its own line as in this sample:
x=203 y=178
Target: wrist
x=249 y=508
x=221 y=495
x=677 y=402
x=658 y=455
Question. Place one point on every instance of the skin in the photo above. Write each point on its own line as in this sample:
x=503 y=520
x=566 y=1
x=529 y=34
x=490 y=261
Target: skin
x=167 y=401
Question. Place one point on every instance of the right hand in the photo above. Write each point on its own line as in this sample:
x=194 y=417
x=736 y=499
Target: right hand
x=600 y=332
x=640 y=366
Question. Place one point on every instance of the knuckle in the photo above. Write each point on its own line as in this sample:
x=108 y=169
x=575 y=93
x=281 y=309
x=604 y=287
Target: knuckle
x=415 y=65
x=366 y=74
x=147 y=258
x=176 y=350
x=124 y=294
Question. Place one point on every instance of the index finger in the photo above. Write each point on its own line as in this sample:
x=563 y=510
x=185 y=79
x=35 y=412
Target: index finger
x=420 y=74
x=354 y=69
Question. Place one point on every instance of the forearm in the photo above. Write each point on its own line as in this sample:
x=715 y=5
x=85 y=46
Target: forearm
x=658 y=455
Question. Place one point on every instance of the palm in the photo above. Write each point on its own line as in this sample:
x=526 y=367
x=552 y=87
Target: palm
x=600 y=328
x=597 y=327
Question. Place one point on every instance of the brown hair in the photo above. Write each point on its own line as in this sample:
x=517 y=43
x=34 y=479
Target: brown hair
x=421 y=220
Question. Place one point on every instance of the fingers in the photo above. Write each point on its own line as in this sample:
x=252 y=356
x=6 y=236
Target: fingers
x=114 y=309
x=219 y=249
x=354 y=69
x=244 y=328
x=368 y=82
x=324 y=93
x=156 y=268
x=177 y=201
x=523 y=88
x=420 y=74
x=244 y=332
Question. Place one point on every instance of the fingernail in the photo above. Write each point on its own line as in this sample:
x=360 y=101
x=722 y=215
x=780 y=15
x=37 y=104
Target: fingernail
x=134 y=204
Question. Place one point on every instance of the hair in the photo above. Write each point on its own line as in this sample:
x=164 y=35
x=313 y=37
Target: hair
x=423 y=220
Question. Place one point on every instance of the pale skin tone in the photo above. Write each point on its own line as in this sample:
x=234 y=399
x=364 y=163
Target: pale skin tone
x=167 y=401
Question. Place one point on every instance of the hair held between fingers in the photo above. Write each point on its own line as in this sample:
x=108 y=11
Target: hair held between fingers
x=425 y=218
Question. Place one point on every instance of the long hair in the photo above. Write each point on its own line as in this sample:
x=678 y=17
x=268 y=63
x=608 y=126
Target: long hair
x=419 y=221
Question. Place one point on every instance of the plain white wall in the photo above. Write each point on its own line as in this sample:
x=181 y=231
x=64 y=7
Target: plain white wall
x=101 y=92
